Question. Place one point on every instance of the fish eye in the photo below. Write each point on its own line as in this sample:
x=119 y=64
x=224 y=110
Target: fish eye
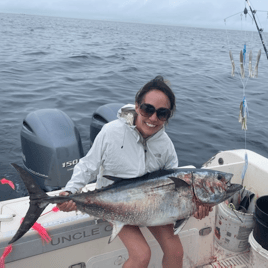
x=220 y=177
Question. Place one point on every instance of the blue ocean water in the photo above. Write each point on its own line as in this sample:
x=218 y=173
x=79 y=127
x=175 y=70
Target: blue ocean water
x=77 y=65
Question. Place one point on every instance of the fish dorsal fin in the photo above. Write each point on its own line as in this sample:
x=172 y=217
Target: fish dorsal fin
x=117 y=227
x=112 y=178
x=179 y=182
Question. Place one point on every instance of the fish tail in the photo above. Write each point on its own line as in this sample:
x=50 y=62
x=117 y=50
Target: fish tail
x=38 y=203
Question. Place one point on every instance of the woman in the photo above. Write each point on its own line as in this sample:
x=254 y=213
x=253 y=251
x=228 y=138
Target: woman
x=129 y=147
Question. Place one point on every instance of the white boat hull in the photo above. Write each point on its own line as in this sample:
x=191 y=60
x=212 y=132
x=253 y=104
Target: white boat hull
x=81 y=241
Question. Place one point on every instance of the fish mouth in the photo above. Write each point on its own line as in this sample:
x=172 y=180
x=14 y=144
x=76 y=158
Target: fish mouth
x=231 y=190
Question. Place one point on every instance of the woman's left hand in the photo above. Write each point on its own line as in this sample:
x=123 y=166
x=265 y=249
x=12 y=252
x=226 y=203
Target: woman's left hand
x=202 y=212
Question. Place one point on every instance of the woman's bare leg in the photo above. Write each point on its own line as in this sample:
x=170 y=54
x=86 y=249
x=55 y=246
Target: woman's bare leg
x=170 y=244
x=138 y=250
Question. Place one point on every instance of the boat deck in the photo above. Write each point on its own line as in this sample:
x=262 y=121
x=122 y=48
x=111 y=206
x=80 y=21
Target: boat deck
x=241 y=260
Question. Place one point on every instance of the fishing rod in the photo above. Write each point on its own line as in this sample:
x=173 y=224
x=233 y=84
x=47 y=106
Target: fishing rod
x=259 y=30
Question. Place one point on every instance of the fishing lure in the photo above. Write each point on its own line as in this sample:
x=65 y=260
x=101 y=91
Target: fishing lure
x=243 y=114
x=242 y=70
x=233 y=64
x=250 y=73
x=257 y=64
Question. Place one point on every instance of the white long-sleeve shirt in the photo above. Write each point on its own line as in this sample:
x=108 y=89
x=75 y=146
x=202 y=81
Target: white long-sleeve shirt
x=119 y=150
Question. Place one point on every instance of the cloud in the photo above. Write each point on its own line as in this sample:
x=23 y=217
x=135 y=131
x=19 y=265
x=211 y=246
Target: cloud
x=203 y=13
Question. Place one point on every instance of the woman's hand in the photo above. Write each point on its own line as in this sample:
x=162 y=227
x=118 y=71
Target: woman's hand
x=68 y=205
x=202 y=212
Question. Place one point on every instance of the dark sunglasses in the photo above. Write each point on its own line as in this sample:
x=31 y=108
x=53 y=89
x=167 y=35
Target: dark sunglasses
x=147 y=110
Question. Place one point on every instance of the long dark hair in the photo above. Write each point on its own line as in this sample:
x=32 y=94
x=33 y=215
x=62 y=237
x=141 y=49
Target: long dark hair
x=157 y=83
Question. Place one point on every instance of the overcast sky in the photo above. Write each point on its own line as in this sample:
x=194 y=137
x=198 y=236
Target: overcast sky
x=198 y=13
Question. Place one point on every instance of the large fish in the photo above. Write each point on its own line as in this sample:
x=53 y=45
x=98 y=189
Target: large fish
x=157 y=198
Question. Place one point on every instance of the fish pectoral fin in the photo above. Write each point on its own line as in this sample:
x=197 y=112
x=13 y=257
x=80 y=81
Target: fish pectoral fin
x=179 y=182
x=178 y=225
x=117 y=227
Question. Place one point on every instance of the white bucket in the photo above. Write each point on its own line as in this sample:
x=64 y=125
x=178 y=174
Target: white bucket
x=232 y=232
x=258 y=255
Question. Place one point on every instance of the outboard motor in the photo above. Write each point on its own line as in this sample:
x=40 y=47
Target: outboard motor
x=51 y=147
x=51 y=144
x=104 y=114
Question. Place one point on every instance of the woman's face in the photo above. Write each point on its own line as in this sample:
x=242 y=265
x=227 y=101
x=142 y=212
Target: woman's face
x=148 y=126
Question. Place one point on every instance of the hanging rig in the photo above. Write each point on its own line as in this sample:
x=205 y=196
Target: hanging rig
x=243 y=61
x=243 y=114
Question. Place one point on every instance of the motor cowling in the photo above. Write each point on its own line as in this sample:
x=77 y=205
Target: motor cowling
x=51 y=144
x=51 y=147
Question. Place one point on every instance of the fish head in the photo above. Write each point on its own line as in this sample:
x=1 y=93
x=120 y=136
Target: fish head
x=213 y=187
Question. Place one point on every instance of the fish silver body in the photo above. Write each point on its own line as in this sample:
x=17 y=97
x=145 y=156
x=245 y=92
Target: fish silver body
x=158 y=198
x=142 y=202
